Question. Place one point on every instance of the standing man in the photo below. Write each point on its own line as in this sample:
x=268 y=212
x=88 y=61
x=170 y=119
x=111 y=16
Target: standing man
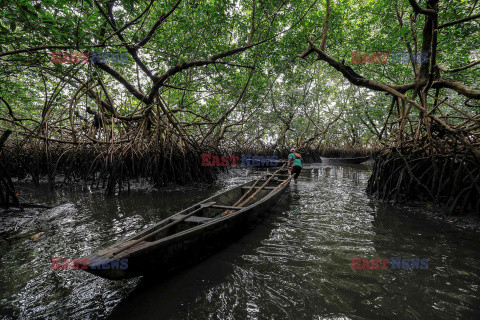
x=294 y=159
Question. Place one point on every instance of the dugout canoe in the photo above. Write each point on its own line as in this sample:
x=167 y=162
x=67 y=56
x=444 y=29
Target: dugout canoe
x=177 y=241
x=344 y=160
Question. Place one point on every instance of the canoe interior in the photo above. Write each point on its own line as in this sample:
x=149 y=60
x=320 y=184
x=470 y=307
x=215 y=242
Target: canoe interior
x=208 y=214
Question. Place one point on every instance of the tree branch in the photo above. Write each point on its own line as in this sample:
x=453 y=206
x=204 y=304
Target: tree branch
x=458 y=87
x=136 y=93
x=10 y=111
x=416 y=7
x=131 y=22
x=325 y=27
x=350 y=74
x=460 y=68
x=160 y=20
x=198 y=63
x=34 y=49
x=448 y=24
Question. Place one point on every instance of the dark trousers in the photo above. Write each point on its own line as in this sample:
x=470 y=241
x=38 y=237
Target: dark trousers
x=296 y=171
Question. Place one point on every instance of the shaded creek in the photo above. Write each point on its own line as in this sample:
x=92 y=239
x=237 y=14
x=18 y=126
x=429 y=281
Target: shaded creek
x=296 y=264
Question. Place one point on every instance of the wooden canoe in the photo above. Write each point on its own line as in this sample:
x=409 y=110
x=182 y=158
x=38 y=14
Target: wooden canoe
x=210 y=228
x=345 y=160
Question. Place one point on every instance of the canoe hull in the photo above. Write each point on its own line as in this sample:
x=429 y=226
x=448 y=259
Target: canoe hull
x=191 y=246
x=345 y=160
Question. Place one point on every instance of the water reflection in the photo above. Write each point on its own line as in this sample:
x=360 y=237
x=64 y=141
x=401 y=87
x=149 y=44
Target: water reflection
x=295 y=264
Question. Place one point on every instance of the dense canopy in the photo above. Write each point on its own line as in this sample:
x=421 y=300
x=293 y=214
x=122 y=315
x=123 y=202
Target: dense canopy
x=195 y=76
x=224 y=73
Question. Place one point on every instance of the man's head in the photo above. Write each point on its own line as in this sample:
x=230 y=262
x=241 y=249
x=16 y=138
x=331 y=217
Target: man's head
x=292 y=150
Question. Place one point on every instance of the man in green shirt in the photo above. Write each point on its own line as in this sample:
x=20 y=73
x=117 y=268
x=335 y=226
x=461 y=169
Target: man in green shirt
x=294 y=159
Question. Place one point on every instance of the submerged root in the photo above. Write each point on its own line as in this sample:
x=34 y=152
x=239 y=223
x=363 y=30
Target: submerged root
x=447 y=180
x=105 y=166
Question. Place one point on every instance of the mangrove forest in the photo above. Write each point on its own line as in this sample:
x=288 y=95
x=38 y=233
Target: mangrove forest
x=142 y=140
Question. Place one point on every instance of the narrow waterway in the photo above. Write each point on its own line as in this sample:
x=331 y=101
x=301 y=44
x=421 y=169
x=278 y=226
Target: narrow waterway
x=296 y=264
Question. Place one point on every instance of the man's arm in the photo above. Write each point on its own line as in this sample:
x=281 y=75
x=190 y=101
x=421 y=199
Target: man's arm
x=288 y=163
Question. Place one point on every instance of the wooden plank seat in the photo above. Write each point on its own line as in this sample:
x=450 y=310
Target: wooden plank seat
x=218 y=206
x=197 y=219
x=264 y=188
x=194 y=219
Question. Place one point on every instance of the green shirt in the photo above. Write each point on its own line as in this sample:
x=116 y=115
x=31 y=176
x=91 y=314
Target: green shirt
x=296 y=161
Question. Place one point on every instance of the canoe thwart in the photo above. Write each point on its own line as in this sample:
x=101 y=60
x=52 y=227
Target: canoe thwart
x=265 y=188
x=181 y=217
x=227 y=207
x=195 y=219
x=207 y=204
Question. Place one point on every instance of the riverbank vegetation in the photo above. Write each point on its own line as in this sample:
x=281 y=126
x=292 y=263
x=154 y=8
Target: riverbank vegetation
x=226 y=77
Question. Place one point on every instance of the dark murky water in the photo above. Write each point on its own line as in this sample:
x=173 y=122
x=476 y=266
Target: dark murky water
x=295 y=265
